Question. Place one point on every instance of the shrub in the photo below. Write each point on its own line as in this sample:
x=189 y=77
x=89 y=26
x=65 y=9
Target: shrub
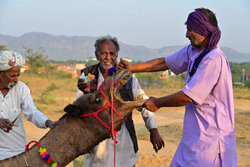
x=61 y=75
x=52 y=87
x=47 y=97
x=241 y=92
x=78 y=163
x=247 y=83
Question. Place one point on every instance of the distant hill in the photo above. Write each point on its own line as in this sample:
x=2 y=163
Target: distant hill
x=63 y=48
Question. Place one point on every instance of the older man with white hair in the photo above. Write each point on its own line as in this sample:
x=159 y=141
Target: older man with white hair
x=15 y=98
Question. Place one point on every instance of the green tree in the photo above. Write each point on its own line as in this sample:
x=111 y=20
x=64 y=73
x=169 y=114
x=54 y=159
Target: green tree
x=38 y=62
x=247 y=83
x=3 y=47
x=40 y=65
x=237 y=71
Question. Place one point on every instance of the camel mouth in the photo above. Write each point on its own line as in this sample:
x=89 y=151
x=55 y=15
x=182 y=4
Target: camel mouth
x=125 y=75
x=122 y=78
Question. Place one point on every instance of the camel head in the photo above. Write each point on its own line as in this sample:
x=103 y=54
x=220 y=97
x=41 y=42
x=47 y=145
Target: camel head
x=75 y=135
x=93 y=102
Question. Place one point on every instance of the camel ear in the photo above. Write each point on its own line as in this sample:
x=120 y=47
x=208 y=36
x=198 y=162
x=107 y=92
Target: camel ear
x=72 y=109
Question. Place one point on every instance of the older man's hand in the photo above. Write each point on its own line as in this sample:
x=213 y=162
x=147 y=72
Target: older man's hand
x=5 y=125
x=156 y=139
x=84 y=87
x=50 y=124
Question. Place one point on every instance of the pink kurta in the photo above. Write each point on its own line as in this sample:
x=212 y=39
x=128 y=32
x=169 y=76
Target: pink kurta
x=208 y=129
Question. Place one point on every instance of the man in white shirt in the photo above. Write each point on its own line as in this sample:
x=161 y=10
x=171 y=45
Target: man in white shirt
x=15 y=98
x=126 y=149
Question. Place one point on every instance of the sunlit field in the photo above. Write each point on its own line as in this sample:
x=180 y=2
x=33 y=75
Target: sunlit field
x=52 y=95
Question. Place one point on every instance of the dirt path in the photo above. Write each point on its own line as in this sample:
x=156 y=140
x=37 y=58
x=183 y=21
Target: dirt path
x=164 y=118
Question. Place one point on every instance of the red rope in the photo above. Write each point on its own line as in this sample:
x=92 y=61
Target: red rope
x=112 y=124
x=28 y=145
x=95 y=114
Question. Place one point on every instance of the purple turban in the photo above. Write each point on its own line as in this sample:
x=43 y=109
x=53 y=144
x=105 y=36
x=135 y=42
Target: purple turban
x=199 y=23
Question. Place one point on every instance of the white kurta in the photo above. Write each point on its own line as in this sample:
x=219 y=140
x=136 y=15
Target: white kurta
x=103 y=154
x=18 y=99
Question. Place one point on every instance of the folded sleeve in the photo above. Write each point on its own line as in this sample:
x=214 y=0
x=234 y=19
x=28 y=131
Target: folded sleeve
x=29 y=109
x=178 y=62
x=204 y=80
x=148 y=116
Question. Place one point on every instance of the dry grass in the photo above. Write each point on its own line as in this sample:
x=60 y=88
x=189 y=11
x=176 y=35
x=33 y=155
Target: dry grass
x=241 y=93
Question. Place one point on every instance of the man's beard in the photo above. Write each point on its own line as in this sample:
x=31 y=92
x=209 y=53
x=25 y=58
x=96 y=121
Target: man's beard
x=11 y=85
x=191 y=42
x=105 y=67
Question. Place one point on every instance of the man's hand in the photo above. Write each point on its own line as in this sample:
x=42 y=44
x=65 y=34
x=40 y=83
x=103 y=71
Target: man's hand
x=123 y=64
x=156 y=139
x=50 y=124
x=84 y=87
x=5 y=125
x=151 y=104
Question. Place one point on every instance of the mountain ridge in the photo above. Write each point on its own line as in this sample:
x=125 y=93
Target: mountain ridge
x=63 y=48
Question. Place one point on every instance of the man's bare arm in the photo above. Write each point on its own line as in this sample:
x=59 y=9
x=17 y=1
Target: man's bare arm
x=174 y=100
x=150 y=66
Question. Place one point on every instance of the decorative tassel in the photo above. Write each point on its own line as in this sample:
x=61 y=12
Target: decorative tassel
x=110 y=71
x=46 y=156
x=42 y=150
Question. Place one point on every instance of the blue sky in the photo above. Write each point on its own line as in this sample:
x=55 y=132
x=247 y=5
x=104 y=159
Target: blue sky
x=151 y=23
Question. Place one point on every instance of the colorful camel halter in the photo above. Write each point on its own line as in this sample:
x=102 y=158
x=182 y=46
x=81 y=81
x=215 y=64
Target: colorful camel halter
x=110 y=72
x=43 y=152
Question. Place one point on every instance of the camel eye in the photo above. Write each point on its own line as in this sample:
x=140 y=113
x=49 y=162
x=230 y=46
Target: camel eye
x=98 y=100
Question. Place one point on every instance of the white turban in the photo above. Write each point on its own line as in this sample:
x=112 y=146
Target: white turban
x=10 y=59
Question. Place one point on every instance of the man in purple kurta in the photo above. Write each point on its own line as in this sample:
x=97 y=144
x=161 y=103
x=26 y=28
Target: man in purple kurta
x=208 y=130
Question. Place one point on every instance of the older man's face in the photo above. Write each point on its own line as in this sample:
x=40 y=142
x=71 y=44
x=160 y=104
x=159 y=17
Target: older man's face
x=10 y=78
x=107 y=55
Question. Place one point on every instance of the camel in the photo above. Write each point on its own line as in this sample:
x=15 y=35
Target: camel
x=75 y=135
